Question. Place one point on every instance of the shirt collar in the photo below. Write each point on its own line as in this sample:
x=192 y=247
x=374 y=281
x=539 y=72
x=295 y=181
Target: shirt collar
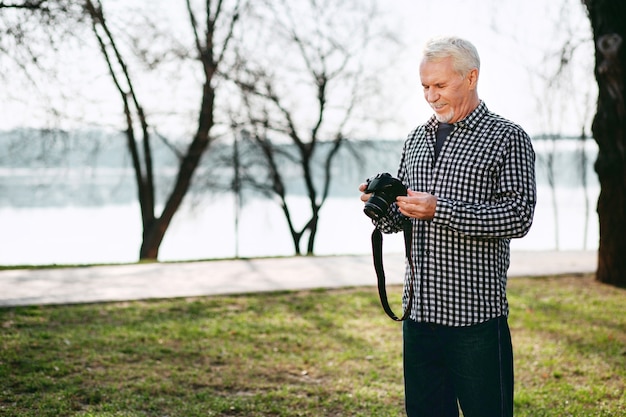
x=469 y=122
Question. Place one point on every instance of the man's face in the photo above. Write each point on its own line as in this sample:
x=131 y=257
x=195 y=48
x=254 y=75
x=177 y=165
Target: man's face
x=451 y=96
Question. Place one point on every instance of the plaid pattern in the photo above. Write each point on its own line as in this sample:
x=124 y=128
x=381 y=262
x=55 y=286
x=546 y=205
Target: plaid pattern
x=484 y=180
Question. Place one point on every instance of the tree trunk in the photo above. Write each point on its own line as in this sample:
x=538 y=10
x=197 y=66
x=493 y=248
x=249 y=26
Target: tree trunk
x=608 y=21
x=154 y=231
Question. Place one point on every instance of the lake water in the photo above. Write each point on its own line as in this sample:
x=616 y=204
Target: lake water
x=78 y=233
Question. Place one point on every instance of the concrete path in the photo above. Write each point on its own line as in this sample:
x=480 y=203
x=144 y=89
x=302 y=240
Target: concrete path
x=167 y=280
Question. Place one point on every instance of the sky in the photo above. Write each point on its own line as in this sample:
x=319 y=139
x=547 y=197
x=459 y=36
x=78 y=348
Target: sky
x=518 y=42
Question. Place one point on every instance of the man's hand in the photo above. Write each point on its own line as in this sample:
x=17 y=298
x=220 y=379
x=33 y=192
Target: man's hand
x=364 y=197
x=417 y=205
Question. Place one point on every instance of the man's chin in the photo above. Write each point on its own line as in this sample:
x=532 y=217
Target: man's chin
x=444 y=118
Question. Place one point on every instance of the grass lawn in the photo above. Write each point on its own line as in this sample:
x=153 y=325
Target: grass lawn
x=306 y=353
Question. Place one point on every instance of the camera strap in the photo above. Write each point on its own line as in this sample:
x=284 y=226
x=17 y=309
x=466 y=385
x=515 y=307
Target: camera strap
x=377 y=251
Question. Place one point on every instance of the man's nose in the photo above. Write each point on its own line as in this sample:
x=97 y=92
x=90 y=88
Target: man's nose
x=431 y=95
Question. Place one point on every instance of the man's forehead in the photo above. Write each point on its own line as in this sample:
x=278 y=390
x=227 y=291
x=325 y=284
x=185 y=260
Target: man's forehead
x=441 y=69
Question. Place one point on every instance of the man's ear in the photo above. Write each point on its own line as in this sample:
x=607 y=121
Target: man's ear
x=472 y=78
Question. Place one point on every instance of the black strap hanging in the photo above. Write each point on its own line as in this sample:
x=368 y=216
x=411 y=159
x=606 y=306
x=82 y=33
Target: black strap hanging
x=377 y=251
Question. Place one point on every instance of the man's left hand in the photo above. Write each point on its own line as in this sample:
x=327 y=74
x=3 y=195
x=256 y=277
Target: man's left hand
x=418 y=205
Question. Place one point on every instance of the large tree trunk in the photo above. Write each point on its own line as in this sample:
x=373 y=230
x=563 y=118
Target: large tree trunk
x=608 y=21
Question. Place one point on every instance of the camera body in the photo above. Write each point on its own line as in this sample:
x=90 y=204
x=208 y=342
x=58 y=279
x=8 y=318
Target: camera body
x=384 y=189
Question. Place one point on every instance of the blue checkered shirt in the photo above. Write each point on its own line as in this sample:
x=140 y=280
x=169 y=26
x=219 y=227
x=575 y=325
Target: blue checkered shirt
x=484 y=180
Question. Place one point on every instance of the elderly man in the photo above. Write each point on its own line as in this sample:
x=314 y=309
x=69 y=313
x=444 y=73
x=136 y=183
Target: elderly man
x=471 y=188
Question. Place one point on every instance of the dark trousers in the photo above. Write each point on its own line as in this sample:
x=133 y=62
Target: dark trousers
x=472 y=364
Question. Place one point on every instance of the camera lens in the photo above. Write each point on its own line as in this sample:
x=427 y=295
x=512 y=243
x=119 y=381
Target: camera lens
x=376 y=207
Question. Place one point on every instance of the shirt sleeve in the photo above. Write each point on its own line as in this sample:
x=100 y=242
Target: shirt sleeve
x=510 y=212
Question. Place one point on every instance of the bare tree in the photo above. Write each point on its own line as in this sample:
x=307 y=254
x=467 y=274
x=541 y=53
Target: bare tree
x=560 y=68
x=212 y=26
x=210 y=54
x=304 y=98
x=608 y=22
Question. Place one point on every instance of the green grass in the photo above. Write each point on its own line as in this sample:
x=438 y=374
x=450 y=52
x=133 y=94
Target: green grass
x=570 y=340
x=308 y=353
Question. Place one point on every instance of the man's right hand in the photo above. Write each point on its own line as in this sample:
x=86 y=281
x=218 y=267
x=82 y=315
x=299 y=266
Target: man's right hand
x=364 y=197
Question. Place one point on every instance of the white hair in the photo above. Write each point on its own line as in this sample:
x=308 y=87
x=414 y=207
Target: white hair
x=463 y=53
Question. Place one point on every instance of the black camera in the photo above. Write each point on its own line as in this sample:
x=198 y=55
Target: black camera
x=384 y=189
